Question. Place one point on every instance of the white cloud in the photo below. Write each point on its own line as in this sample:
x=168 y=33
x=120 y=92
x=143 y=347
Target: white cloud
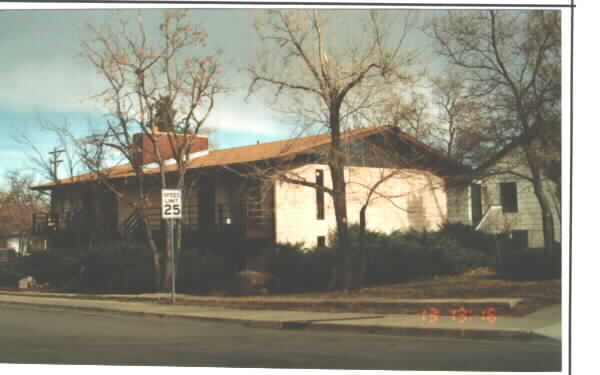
x=233 y=114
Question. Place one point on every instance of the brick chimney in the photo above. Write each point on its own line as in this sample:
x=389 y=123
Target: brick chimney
x=145 y=148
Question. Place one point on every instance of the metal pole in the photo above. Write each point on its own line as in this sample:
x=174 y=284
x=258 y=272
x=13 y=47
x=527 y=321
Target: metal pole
x=172 y=250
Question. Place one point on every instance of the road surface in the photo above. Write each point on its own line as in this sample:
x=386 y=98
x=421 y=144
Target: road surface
x=54 y=336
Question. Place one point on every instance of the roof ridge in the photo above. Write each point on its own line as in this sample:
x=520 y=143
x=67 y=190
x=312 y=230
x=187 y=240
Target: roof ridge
x=273 y=149
x=295 y=139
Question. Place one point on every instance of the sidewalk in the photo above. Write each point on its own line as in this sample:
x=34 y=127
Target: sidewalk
x=463 y=323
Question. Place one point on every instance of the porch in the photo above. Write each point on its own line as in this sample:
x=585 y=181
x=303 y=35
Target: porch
x=219 y=206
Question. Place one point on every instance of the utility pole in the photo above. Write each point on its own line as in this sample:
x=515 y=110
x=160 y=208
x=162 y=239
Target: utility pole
x=54 y=160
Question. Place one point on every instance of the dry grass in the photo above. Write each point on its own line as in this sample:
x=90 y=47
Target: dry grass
x=478 y=284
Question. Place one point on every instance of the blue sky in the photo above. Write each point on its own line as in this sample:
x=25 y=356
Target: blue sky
x=44 y=77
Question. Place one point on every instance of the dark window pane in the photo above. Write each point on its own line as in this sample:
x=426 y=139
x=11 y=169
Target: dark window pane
x=321 y=241
x=508 y=197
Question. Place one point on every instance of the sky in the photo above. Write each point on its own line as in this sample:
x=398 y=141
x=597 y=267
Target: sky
x=45 y=78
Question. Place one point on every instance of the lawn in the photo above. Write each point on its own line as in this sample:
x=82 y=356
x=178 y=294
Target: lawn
x=474 y=284
x=390 y=299
x=385 y=299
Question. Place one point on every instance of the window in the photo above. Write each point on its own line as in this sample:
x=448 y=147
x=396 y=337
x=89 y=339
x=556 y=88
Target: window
x=508 y=197
x=321 y=241
x=320 y=196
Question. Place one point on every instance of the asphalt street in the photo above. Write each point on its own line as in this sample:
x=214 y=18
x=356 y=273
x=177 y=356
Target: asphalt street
x=54 y=336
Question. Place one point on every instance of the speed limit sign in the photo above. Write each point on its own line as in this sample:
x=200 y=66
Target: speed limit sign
x=171 y=204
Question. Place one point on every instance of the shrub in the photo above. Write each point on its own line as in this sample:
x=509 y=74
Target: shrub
x=117 y=267
x=59 y=268
x=529 y=264
x=470 y=238
x=203 y=270
x=10 y=275
x=297 y=269
x=402 y=256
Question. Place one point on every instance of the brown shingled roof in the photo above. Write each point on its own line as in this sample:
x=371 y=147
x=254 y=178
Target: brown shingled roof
x=244 y=154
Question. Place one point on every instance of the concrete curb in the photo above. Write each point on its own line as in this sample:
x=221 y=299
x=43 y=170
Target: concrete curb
x=267 y=324
x=468 y=333
x=367 y=306
x=316 y=324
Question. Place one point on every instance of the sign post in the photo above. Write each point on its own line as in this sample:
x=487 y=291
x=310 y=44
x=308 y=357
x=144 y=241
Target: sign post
x=171 y=211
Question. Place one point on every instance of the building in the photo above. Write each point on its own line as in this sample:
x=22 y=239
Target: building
x=501 y=199
x=246 y=193
x=16 y=229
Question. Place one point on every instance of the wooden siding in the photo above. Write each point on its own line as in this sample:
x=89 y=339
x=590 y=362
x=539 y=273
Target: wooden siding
x=126 y=206
x=459 y=204
x=529 y=215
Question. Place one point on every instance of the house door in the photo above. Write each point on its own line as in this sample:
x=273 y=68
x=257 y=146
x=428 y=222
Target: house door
x=476 y=207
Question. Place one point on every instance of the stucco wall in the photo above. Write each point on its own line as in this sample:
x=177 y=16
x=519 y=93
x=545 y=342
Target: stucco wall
x=417 y=200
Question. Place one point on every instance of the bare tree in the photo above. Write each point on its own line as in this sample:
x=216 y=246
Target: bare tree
x=458 y=124
x=18 y=204
x=330 y=85
x=513 y=60
x=168 y=84
x=41 y=161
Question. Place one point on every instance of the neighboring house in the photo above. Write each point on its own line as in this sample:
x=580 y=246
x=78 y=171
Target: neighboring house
x=22 y=244
x=501 y=200
x=16 y=230
x=226 y=200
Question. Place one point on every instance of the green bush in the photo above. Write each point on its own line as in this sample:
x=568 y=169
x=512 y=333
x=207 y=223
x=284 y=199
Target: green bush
x=117 y=267
x=10 y=275
x=297 y=269
x=203 y=270
x=529 y=264
x=58 y=268
x=470 y=238
x=402 y=256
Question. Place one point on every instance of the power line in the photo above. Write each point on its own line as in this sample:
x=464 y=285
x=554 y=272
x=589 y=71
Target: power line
x=54 y=160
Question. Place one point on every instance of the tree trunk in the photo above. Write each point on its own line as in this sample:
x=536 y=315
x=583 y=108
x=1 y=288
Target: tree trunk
x=155 y=252
x=343 y=273
x=362 y=251
x=148 y=232
x=545 y=206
